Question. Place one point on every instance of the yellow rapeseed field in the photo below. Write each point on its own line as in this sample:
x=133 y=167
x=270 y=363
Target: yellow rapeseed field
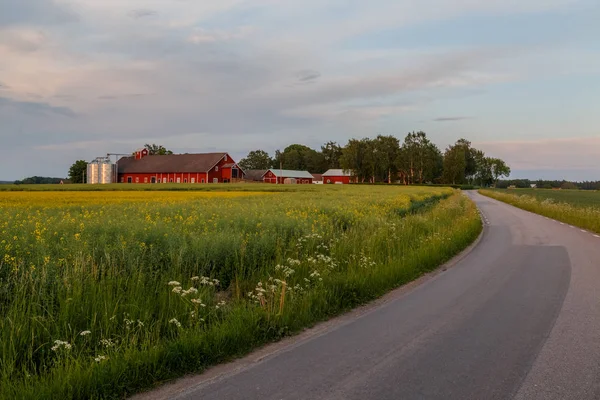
x=105 y=293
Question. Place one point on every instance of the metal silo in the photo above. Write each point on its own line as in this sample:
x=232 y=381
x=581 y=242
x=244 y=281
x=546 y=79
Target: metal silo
x=101 y=171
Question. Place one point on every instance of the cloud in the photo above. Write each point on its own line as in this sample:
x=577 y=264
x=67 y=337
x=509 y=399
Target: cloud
x=30 y=107
x=307 y=75
x=142 y=13
x=547 y=154
x=35 y=12
x=123 y=96
x=201 y=35
x=450 y=119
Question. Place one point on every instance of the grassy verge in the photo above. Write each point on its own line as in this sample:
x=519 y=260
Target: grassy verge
x=575 y=212
x=105 y=298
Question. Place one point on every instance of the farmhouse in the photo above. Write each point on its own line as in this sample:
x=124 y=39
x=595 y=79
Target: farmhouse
x=287 y=176
x=178 y=168
x=337 y=176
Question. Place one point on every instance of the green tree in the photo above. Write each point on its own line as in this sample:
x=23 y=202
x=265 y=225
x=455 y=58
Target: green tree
x=358 y=157
x=256 y=159
x=455 y=164
x=499 y=169
x=156 y=150
x=419 y=159
x=386 y=150
x=78 y=171
x=332 y=152
x=302 y=158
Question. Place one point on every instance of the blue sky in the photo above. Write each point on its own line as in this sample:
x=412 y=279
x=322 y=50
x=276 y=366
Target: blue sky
x=80 y=78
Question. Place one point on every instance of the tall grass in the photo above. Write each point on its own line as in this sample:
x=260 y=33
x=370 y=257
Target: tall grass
x=576 y=212
x=109 y=296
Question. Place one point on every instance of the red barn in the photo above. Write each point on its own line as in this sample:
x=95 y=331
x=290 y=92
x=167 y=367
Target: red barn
x=284 y=176
x=179 y=168
x=338 y=176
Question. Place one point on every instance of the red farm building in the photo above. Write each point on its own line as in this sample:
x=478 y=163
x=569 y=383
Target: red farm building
x=286 y=176
x=178 y=168
x=338 y=176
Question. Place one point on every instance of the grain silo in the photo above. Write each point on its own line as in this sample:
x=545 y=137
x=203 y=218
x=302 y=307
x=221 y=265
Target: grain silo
x=101 y=171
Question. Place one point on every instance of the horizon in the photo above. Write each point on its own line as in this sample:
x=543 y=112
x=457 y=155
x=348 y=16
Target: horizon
x=82 y=78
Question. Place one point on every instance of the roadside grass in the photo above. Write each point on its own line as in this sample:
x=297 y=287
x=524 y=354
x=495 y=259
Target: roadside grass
x=102 y=298
x=575 y=207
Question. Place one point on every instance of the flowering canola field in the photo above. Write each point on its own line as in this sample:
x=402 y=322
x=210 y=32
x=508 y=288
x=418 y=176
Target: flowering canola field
x=105 y=293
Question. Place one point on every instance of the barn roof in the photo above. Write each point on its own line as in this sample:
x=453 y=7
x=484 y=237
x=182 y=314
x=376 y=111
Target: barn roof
x=337 y=172
x=287 y=173
x=255 y=174
x=170 y=163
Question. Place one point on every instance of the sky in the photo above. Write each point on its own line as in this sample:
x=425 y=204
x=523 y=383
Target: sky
x=520 y=79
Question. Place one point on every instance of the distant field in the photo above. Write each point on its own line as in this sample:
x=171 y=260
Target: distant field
x=577 y=207
x=577 y=198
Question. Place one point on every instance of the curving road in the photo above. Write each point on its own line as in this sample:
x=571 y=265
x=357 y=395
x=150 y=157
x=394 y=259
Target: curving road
x=518 y=317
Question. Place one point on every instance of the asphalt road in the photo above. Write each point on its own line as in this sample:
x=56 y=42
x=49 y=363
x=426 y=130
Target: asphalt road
x=518 y=317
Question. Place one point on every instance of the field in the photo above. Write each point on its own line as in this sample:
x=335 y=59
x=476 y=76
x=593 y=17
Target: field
x=577 y=207
x=103 y=294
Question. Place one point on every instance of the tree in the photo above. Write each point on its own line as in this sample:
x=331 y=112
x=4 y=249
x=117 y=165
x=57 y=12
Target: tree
x=332 y=152
x=302 y=158
x=357 y=157
x=455 y=164
x=499 y=169
x=386 y=150
x=78 y=171
x=256 y=159
x=156 y=150
x=419 y=160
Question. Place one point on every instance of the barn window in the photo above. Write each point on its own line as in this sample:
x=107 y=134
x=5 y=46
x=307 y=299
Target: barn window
x=137 y=179
x=203 y=181
x=171 y=180
x=146 y=180
x=217 y=168
x=185 y=180
x=164 y=180
x=225 y=158
x=328 y=180
x=215 y=180
x=153 y=180
x=193 y=180
x=128 y=179
x=178 y=180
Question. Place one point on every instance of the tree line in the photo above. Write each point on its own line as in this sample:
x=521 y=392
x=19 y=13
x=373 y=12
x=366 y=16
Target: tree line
x=384 y=158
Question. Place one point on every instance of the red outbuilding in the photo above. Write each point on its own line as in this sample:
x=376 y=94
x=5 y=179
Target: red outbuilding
x=178 y=168
x=286 y=176
x=338 y=176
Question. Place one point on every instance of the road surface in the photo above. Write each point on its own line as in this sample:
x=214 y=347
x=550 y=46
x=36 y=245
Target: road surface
x=518 y=317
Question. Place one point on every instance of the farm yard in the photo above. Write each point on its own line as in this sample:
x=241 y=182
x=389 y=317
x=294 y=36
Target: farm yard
x=576 y=207
x=103 y=294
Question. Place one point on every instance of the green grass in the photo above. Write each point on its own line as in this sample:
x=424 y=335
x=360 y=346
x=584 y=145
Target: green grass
x=77 y=262
x=576 y=207
x=576 y=198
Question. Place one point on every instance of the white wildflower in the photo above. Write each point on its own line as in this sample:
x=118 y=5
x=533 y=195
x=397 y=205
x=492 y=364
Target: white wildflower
x=177 y=289
x=100 y=358
x=175 y=322
x=195 y=278
x=174 y=283
x=85 y=333
x=58 y=344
